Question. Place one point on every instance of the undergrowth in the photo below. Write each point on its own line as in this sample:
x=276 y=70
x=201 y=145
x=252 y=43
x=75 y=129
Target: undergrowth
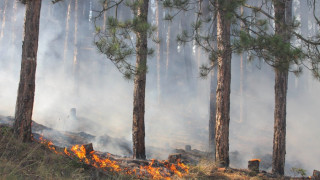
x=35 y=161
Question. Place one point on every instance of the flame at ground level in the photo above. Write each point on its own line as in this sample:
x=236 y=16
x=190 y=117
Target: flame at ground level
x=155 y=170
x=255 y=160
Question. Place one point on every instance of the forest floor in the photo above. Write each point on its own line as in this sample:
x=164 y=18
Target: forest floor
x=36 y=161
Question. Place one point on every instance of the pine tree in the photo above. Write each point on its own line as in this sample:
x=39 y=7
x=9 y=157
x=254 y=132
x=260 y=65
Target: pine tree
x=280 y=88
x=224 y=82
x=277 y=51
x=25 y=99
x=213 y=34
x=116 y=43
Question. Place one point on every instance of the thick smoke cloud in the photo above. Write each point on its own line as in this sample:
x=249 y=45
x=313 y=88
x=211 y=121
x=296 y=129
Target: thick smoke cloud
x=103 y=98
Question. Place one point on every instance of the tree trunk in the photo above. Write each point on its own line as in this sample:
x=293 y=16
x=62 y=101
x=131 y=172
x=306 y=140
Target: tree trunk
x=280 y=88
x=138 y=130
x=75 y=42
x=187 y=52
x=25 y=99
x=159 y=33
x=14 y=20
x=242 y=67
x=3 y=24
x=223 y=86
x=75 y=48
x=65 y=49
x=168 y=48
x=105 y=6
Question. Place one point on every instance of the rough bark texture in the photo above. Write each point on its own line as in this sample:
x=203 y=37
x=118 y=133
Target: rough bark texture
x=280 y=88
x=24 y=104
x=138 y=130
x=223 y=86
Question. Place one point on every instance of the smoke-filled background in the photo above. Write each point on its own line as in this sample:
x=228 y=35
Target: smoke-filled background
x=72 y=74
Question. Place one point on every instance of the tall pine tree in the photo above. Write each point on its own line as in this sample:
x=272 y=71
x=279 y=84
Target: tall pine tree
x=25 y=99
x=116 y=42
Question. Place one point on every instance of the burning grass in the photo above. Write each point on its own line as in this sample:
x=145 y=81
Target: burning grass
x=35 y=161
x=46 y=161
x=141 y=169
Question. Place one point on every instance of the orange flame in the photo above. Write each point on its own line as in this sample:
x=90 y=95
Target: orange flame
x=163 y=169
x=255 y=160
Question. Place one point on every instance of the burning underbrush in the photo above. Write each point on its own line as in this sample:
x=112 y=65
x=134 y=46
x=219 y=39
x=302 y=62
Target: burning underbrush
x=154 y=169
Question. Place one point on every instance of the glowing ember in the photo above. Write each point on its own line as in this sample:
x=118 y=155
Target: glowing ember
x=155 y=169
x=255 y=160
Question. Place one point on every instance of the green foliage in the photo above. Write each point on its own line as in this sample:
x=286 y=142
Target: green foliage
x=298 y=172
x=118 y=40
x=251 y=32
x=269 y=47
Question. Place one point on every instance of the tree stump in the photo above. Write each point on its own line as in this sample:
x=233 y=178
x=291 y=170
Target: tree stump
x=316 y=174
x=188 y=148
x=73 y=113
x=253 y=165
x=173 y=158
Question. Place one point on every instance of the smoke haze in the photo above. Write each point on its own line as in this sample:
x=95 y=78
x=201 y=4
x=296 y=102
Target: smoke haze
x=103 y=98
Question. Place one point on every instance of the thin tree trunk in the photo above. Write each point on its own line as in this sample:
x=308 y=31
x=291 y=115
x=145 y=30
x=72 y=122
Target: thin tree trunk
x=75 y=48
x=65 y=49
x=158 y=49
x=241 y=76
x=223 y=87
x=241 y=88
x=3 y=24
x=138 y=130
x=280 y=88
x=187 y=51
x=105 y=5
x=168 y=48
x=14 y=20
x=25 y=99
x=75 y=42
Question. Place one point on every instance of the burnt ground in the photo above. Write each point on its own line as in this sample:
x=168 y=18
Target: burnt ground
x=194 y=158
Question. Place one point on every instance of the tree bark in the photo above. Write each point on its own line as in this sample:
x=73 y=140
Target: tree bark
x=223 y=85
x=138 y=130
x=25 y=99
x=280 y=88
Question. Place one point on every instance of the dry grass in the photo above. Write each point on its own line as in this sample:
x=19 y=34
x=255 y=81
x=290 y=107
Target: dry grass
x=35 y=161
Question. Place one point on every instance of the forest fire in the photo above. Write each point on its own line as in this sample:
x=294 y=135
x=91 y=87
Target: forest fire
x=155 y=169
